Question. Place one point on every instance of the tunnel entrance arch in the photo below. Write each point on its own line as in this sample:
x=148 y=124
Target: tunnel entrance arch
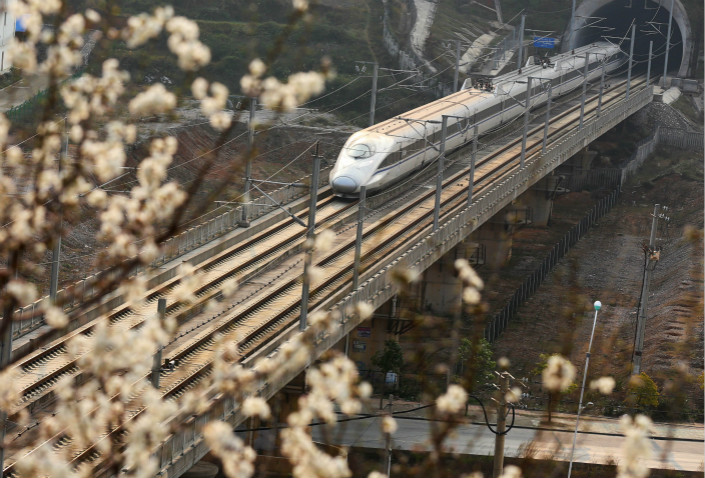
x=595 y=18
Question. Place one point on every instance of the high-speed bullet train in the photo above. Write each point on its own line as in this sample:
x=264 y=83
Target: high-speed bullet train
x=379 y=156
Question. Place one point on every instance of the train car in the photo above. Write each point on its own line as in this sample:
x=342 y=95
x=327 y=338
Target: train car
x=381 y=155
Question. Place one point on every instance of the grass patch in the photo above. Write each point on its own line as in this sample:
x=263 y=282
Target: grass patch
x=684 y=105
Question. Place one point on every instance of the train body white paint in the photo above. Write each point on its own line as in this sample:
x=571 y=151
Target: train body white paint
x=379 y=156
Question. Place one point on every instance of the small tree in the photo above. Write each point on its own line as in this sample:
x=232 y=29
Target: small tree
x=390 y=359
x=476 y=362
x=642 y=391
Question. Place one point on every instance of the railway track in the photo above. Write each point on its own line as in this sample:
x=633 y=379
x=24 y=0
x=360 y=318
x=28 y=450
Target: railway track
x=268 y=301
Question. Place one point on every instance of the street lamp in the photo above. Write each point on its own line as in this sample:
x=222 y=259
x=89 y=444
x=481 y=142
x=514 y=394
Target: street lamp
x=597 y=304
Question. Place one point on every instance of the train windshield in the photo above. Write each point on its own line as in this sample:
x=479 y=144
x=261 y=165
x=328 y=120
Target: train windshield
x=360 y=151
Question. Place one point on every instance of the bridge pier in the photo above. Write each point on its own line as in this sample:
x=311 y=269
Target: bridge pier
x=538 y=201
x=579 y=165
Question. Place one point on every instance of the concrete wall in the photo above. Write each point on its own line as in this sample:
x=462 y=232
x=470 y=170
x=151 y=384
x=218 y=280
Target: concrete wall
x=7 y=33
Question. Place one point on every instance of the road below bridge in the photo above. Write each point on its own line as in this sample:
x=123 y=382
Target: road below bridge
x=674 y=446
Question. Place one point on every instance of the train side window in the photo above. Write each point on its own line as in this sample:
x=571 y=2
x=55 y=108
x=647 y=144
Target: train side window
x=436 y=137
x=392 y=158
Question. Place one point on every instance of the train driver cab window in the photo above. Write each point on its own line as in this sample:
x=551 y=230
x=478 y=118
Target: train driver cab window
x=360 y=151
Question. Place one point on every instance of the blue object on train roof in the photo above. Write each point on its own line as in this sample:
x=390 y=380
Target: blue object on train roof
x=544 y=42
x=21 y=23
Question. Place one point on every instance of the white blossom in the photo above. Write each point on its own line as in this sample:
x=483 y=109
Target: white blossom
x=55 y=317
x=237 y=458
x=364 y=310
x=257 y=67
x=315 y=274
x=636 y=448
x=468 y=275
x=558 y=374
x=364 y=390
x=229 y=286
x=453 y=400
x=513 y=395
x=143 y=27
x=183 y=42
x=23 y=292
x=471 y=295
x=221 y=120
x=155 y=100
x=92 y=15
x=10 y=391
x=324 y=240
x=389 y=425
x=199 y=88
x=284 y=96
x=301 y=5
x=256 y=406
x=604 y=384
x=511 y=471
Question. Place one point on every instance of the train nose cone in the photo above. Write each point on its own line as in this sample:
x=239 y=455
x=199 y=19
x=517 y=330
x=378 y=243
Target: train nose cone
x=344 y=184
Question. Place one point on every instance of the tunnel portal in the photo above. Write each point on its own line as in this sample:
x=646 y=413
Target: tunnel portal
x=612 y=19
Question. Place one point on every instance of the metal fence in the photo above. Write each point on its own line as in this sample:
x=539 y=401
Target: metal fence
x=681 y=138
x=592 y=179
x=678 y=138
x=500 y=321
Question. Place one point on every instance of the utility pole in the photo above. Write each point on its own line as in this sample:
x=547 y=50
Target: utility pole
x=439 y=174
x=457 y=65
x=653 y=256
x=648 y=66
x=602 y=87
x=571 y=31
x=157 y=362
x=471 y=179
x=501 y=425
x=521 y=41
x=548 y=118
x=527 y=109
x=498 y=9
x=245 y=219
x=668 y=43
x=597 y=305
x=582 y=98
x=373 y=99
x=309 y=238
x=358 y=237
x=56 y=252
x=631 y=60
x=389 y=442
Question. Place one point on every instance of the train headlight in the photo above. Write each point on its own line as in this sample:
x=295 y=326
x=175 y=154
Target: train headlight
x=360 y=151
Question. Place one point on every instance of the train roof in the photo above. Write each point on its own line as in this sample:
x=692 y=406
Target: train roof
x=431 y=112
